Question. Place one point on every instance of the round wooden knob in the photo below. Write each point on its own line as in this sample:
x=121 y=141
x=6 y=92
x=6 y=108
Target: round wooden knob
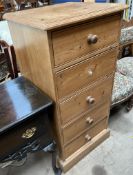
x=90 y=73
x=87 y=137
x=89 y=120
x=92 y=39
x=90 y=100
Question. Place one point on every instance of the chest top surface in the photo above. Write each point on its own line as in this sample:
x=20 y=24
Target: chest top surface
x=54 y=16
x=19 y=100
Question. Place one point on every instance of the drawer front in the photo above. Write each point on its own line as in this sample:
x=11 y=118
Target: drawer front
x=19 y=136
x=74 y=42
x=78 y=76
x=85 y=138
x=85 y=100
x=86 y=121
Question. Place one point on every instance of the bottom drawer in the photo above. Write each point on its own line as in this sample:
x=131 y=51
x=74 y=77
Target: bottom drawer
x=85 y=138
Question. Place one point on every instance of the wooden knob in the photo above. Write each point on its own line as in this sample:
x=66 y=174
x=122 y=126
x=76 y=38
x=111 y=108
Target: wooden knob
x=87 y=137
x=92 y=39
x=90 y=100
x=89 y=120
x=90 y=73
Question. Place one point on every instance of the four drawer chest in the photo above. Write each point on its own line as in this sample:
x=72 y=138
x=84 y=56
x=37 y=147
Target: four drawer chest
x=69 y=51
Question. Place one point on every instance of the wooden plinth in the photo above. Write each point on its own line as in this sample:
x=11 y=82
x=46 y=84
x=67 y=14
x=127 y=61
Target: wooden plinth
x=78 y=155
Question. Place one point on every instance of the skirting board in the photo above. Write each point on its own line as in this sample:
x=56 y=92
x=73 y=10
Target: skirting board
x=83 y=151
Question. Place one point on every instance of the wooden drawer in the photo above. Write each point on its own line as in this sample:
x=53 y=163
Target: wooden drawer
x=85 y=138
x=19 y=136
x=85 y=99
x=80 y=75
x=86 y=121
x=72 y=43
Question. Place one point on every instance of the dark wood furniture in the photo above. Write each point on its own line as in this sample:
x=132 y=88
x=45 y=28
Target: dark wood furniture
x=8 y=62
x=9 y=5
x=1 y=10
x=1 y=7
x=25 y=115
x=26 y=4
x=126 y=48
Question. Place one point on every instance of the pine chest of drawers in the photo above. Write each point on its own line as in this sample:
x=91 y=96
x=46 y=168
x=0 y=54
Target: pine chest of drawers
x=70 y=51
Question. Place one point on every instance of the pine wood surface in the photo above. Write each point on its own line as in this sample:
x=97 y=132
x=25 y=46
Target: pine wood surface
x=82 y=139
x=84 y=150
x=34 y=56
x=75 y=39
x=78 y=104
x=55 y=16
x=72 y=131
x=85 y=72
x=53 y=52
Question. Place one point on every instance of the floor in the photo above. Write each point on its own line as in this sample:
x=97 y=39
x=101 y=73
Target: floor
x=113 y=157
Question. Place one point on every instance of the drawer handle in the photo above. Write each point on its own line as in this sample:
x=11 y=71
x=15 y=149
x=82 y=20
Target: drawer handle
x=29 y=133
x=90 y=72
x=92 y=39
x=88 y=138
x=90 y=100
x=89 y=120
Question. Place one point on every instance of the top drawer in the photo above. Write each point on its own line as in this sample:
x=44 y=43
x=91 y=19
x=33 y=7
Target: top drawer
x=74 y=42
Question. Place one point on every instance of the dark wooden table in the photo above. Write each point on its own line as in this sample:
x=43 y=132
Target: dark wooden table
x=25 y=115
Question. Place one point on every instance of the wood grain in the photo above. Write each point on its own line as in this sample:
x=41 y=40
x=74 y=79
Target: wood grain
x=33 y=56
x=88 y=71
x=81 y=140
x=34 y=59
x=75 y=42
x=23 y=107
x=52 y=49
x=81 y=124
x=59 y=15
x=78 y=104
x=83 y=151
